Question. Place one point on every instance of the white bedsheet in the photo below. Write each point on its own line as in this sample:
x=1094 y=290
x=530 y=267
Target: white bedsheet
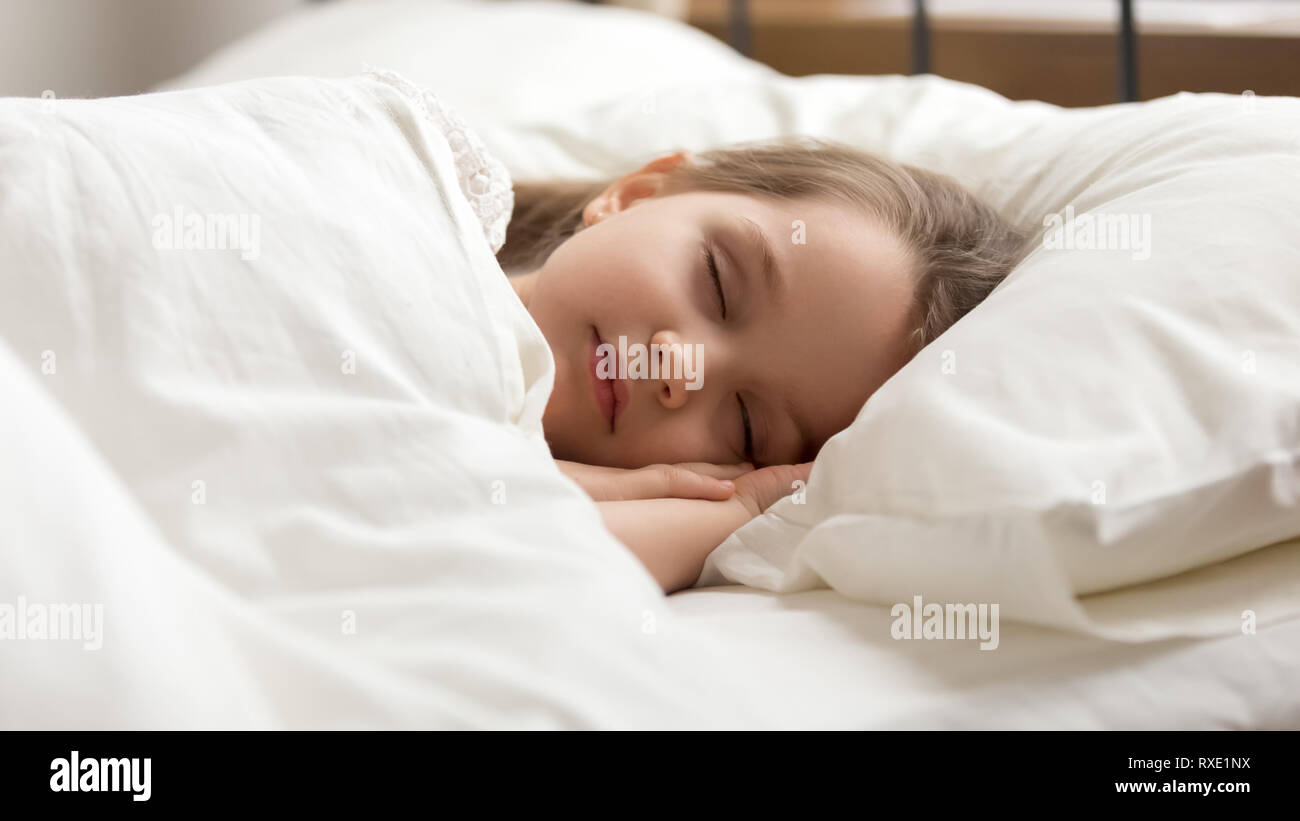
x=820 y=660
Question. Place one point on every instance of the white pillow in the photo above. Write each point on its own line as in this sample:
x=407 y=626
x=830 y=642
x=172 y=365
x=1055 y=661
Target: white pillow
x=494 y=62
x=1111 y=417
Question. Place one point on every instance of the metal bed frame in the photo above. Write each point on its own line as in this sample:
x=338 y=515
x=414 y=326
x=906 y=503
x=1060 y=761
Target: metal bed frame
x=740 y=37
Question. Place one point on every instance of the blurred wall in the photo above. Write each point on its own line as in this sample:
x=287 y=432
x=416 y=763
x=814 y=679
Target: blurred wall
x=95 y=48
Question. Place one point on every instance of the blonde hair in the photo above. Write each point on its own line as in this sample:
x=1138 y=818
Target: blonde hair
x=963 y=248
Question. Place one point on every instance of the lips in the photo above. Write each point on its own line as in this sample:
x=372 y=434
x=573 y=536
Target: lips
x=611 y=394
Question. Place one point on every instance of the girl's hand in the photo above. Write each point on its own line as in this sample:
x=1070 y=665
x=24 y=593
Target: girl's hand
x=760 y=489
x=687 y=480
x=673 y=537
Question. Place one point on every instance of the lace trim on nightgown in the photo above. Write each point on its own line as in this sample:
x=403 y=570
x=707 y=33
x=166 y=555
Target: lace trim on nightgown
x=483 y=178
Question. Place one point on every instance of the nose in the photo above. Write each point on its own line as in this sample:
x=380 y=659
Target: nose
x=669 y=349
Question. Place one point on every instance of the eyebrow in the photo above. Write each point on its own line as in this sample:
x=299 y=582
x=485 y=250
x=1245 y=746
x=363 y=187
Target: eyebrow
x=759 y=245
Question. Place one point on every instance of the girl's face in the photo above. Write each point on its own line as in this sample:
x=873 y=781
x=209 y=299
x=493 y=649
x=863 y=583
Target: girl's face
x=784 y=357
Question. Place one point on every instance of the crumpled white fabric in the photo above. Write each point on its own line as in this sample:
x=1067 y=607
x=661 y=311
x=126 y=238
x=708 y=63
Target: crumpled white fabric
x=484 y=181
x=306 y=481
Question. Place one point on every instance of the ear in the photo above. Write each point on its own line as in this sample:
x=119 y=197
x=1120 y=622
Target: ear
x=631 y=188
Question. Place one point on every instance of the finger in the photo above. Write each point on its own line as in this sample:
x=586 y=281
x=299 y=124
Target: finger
x=675 y=482
x=791 y=474
x=773 y=483
x=717 y=471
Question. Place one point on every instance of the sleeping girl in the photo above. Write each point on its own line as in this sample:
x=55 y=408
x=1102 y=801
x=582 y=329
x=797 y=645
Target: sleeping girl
x=369 y=365
x=805 y=273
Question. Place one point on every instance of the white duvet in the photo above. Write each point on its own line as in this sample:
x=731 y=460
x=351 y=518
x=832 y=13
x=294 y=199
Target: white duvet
x=270 y=446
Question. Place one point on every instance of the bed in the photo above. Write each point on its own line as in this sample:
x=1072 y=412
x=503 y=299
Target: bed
x=780 y=650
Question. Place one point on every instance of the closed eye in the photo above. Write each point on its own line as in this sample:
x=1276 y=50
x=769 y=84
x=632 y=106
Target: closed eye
x=749 y=435
x=712 y=264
